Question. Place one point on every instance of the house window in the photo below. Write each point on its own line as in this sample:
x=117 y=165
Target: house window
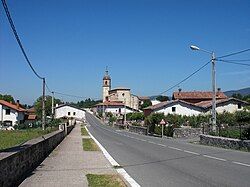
x=239 y=106
x=173 y=109
x=74 y=113
x=7 y=111
x=68 y=113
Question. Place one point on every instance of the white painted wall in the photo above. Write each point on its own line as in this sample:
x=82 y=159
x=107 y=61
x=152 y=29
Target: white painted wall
x=114 y=109
x=14 y=115
x=179 y=110
x=154 y=102
x=231 y=108
x=64 y=110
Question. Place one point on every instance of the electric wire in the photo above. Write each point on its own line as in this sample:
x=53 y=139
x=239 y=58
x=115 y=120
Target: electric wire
x=186 y=78
x=232 y=62
x=17 y=38
x=235 y=53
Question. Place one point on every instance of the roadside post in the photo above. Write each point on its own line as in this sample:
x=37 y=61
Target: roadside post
x=162 y=123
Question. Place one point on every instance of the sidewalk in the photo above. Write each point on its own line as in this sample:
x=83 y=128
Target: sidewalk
x=68 y=164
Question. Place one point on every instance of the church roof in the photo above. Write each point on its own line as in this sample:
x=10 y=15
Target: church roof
x=120 y=88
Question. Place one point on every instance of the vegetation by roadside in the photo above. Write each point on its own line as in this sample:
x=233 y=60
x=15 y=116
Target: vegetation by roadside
x=105 y=180
x=89 y=145
x=10 y=139
x=84 y=132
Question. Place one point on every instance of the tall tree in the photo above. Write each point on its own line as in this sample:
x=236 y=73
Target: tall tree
x=7 y=98
x=48 y=103
x=162 y=98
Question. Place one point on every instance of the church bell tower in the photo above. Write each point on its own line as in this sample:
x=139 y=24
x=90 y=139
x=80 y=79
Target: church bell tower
x=106 y=86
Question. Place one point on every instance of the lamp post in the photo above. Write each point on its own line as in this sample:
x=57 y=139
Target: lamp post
x=213 y=60
x=125 y=120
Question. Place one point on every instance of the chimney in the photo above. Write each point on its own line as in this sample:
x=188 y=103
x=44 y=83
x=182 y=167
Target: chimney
x=17 y=104
x=179 y=90
x=56 y=105
x=218 y=89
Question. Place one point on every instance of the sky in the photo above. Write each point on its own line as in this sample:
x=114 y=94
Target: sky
x=144 y=43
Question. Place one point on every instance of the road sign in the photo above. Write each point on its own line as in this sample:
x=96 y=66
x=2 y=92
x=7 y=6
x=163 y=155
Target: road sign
x=162 y=122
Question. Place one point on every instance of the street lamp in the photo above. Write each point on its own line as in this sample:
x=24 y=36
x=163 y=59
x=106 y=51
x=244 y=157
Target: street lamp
x=193 y=47
x=125 y=120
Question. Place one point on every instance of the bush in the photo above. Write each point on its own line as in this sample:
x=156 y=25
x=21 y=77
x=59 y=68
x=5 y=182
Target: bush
x=246 y=134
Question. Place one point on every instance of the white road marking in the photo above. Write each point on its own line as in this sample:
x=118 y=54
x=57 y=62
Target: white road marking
x=175 y=148
x=152 y=142
x=143 y=140
x=239 y=163
x=161 y=145
x=194 y=153
x=121 y=171
x=221 y=159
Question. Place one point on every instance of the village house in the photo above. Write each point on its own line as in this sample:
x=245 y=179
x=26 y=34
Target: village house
x=116 y=108
x=11 y=114
x=195 y=103
x=70 y=112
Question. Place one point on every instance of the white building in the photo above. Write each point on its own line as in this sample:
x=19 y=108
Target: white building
x=116 y=108
x=69 y=111
x=184 y=108
x=174 y=107
x=11 y=114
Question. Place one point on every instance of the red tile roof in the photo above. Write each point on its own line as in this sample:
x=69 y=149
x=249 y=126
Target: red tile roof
x=12 y=106
x=207 y=104
x=167 y=103
x=198 y=95
x=111 y=103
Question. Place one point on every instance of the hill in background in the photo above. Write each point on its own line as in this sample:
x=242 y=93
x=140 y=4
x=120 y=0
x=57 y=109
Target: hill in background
x=243 y=92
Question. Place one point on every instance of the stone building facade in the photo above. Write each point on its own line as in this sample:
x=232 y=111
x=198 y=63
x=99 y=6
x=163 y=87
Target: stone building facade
x=119 y=94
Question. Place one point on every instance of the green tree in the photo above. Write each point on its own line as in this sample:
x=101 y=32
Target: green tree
x=162 y=98
x=48 y=103
x=146 y=104
x=7 y=98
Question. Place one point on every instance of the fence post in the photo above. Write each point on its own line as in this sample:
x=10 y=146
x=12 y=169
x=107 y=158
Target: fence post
x=240 y=131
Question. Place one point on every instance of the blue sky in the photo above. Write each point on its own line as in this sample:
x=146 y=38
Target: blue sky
x=145 y=44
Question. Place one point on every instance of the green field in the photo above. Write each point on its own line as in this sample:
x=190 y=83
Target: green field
x=89 y=145
x=10 y=139
x=105 y=181
x=84 y=132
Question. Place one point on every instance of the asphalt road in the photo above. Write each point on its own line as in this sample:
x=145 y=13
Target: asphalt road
x=166 y=162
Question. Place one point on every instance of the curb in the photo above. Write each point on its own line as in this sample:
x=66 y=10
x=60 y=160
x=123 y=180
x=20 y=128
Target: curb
x=121 y=171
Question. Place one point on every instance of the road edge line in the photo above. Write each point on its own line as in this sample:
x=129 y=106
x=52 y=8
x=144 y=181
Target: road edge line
x=112 y=161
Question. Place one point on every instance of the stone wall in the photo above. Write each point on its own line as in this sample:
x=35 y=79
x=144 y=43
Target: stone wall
x=187 y=132
x=225 y=142
x=17 y=162
x=138 y=129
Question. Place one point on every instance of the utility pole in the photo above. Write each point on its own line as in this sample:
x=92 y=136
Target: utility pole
x=125 y=118
x=52 y=106
x=214 y=93
x=43 y=106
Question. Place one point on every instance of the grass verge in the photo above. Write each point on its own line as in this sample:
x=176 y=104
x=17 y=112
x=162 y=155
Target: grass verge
x=10 y=139
x=84 y=132
x=89 y=145
x=105 y=181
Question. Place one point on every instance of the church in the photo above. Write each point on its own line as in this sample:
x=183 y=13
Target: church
x=118 y=95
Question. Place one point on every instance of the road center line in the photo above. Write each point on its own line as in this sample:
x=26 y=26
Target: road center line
x=221 y=159
x=175 y=148
x=239 y=163
x=191 y=152
x=161 y=145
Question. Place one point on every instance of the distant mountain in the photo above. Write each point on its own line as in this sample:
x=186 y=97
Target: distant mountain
x=243 y=92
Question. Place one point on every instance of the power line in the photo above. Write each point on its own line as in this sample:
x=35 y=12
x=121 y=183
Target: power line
x=231 y=54
x=18 y=39
x=232 y=62
x=186 y=78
